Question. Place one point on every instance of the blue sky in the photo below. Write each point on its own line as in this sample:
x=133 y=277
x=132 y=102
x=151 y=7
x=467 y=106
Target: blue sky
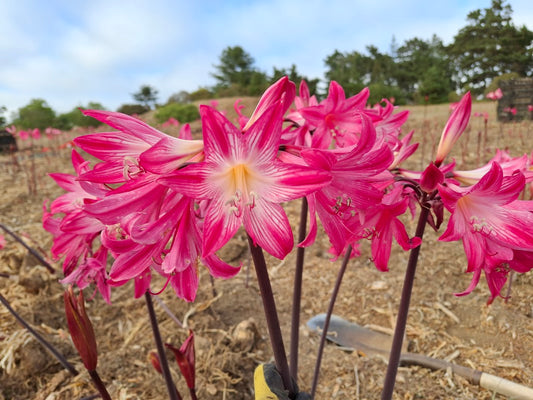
x=71 y=52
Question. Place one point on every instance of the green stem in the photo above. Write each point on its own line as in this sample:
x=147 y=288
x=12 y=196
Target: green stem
x=401 y=319
x=271 y=315
x=297 y=293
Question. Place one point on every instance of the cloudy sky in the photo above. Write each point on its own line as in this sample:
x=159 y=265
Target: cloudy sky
x=71 y=52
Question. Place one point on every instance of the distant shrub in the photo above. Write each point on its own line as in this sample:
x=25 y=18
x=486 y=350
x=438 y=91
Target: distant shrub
x=182 y=112
x=131 y=109
x=182 y=97
x=201 y=94
x=379 y=91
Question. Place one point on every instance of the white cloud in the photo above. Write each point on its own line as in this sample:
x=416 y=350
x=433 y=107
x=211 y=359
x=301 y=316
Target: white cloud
x=70 y=53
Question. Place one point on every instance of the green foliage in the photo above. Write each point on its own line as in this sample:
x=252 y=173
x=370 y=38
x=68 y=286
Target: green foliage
x=495 y=84
x=236 y=74
x=131 y=109
x=182 y=97
x=182 y=112
x=37 y=114
x=491 y=45
x=423 y=69
x=3 y=109
x=294 y=76
x=147 y=96
x=201 y=94
x=236 y=67
x=74 y=118
x=379 y=91
x=350 y=70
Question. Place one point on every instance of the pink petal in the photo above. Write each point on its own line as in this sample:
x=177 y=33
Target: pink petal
x=269 y=227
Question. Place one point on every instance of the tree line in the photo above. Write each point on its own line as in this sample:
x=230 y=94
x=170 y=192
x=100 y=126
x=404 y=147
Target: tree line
x=489 y=48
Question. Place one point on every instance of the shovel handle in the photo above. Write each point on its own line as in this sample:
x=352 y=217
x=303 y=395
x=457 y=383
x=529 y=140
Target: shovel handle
x=487 y=381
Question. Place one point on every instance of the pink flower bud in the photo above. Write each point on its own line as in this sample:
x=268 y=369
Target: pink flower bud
x=431 y=178
x=185 y=358
x=153 y=357
x=454 y=128
x=81 y=329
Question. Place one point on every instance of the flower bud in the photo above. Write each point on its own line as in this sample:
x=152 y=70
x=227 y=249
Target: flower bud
x=431 y=178
x=454 y=128
x=185 y=358
x=81 y=329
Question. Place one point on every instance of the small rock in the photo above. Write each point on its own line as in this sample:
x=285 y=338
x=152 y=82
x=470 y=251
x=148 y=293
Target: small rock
x=245 y=335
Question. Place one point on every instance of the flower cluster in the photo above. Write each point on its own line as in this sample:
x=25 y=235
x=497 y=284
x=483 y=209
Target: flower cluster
x=160 y=204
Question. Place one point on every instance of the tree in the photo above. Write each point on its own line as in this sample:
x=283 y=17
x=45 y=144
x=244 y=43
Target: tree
x=75 y=117
x=37 y=114
x=418 y=62
x=147 y=96
x=3 y=109
x=294 y=76
x=236 y=67
x=181 y=97
x=350 y=70
x=491 y=45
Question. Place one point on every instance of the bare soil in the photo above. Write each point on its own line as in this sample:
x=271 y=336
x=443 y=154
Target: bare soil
x=230 y=332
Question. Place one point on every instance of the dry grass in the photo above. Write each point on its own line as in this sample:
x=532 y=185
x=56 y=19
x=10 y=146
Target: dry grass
x=497 y=339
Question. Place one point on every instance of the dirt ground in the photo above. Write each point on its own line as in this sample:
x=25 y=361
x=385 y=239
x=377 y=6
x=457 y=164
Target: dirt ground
x=230 y=332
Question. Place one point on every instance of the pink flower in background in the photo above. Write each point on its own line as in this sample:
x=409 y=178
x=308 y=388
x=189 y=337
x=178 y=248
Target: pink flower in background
x=530 y=107
x=510 y=110
x=36 y=133
x=24 y=135
x=496 y=95
x=335 y=116
x=12 y=130
x=454 y=128
x=2 y=242
x=171 y=122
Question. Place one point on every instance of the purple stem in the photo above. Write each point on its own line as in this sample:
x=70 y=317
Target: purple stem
x=271 y=315
x=173 y=393
x=30 y=249
x=401 y=319
x=297 y=293
x=39 y=338
x=99 y=385
x=332 y=300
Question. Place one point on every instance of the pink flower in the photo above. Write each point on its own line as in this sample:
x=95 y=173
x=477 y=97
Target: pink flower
x=2 y=242
x=24 y=135
x=381 y=224
x=36 y=133
x=245 y=181
x=92 y=270
x=121 y=151
x=171 y=122
x=357 y=173
x=530 y=107
x=454 y=128
x=336 y=115
x=496 y=95
x=495 y=227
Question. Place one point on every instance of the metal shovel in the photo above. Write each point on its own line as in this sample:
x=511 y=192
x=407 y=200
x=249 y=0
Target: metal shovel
x=353 y=337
